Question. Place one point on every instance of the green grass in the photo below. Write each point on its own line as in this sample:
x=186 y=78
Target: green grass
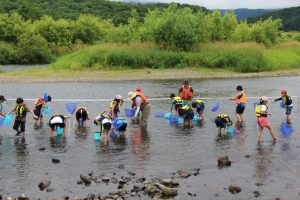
x=241 y=57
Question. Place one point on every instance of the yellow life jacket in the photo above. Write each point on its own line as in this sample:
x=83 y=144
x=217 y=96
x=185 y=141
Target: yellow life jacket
x=177 y=99
x=198 y=101
x=287 y=100
x=106 y=116
x=258 y=111
x=111 y=105
x=185 y=107
x=20 y=111
x=224 y=116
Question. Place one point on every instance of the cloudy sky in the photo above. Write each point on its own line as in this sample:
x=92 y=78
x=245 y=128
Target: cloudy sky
x=231 y=4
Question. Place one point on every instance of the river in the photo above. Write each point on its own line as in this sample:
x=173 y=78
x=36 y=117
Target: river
x=163 y=149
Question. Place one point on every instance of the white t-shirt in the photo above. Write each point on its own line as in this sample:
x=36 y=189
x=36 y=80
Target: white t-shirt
x=264 y=108
x=56 y=119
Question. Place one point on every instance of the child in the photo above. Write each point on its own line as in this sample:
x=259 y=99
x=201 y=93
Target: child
x=104 y=121
x=199 y=105
x=58 y=121
x=81 y=115
x=176 y=103
x=39 y=106
x=115 y=106
x=120 y=125
x=222 y=121
x=21 y=110
x=187 y=115
x=288 y=104
x=2 y=99
x=261 y=112
x=240 y=100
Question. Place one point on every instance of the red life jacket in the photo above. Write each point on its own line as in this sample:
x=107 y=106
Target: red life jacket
x=39 y=103
x=145 y=100
x=186 y=93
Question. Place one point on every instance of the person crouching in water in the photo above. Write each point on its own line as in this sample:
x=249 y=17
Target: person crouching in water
x=21 y=110
x=261 y=112
x=104 y=121
x=176 y=103
x=240 y=99
x=120 y=126
x=199 y=105
x=187 y=115
x=39 y=106
x=115 y=106
x=57 y=122
x=287 y=102
x=141 y=103
x=81 y=115
x=222 y=121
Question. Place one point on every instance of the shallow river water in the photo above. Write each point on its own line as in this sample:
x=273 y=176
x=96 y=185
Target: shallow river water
x=161 y=150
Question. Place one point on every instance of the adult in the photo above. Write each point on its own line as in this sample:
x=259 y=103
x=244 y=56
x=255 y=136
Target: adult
x=141 y=103
x=186 y=93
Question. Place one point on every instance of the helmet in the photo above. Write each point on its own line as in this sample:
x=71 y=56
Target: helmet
x=119 y=97
x=283 y=91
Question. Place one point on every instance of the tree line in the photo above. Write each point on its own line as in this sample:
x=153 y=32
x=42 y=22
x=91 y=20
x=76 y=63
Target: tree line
x=174 y=28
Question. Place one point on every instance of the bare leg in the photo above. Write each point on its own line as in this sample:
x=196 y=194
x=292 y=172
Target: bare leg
x=51 y=133
x=288 y=119
x=272 y=132
x=260 y=130
x=219 y=132
x=64 y=133
x=238 y=117
x=242 y=118
x=225 y=132
x=23 y=136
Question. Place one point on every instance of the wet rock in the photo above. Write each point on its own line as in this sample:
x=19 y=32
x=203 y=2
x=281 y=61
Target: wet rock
x=184 y=174
x=50 y=190
x=77 y=198
x=141 y=180
x=90 y=173
x=85 y=179
x=132 y=173
x=133 y=194
x=217 y=195
x=10 y=198
x=138 y=188
x=42 y=148
x=247 y=156
x=105 y=179
x=36 y=198
x=166 y=191
x=258 y=184
x=256 y=193
x=190 y=194
x=120 y=186
x=169 y=182
x=23 y=197
x=234 y=189
x=114 y=180
x=120 y=198
x=0 y=196
x=66 y=197
x=90 y=196
x=224 y=162
x=79 y=182
x=55 y=160
x=44 y=184
x=121 y=166
x=151 y=189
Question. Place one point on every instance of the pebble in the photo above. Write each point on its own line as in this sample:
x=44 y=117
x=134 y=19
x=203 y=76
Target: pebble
x=66 y=197
x=42 y=148
x=50 y=190
x=256 y=193
x=85 y=179
x=105 y=179
x=234 y=189
x=141 y=180
x=90 y=196
x=23 y=197
x=169 y=182
x=224 y=161
x=121 y=166
x=44 y=184
x=184 y=174
x=55 y=160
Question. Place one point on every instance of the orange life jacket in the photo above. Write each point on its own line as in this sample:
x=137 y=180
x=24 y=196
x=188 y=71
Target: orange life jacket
x=144 y=99
x=186 y=93
x=39 y=103
x=242 y=99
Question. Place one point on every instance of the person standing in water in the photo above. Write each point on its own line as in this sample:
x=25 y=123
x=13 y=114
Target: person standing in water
x=186 y=93
x=240 y=99
x=105 y=122
x=39 y=106
x=81 y=115
x=222 y=121
x=2 y=99
x=187 y=115
x=141 y=103
x=262 y=113
x=58 y=121
x=115 y=106
x=176 y=104
x=287 y=102
x=199 y=105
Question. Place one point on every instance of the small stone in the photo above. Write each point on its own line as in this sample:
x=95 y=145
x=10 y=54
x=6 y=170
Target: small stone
x=42 y=148
x=66 y=197
x=166 y=192
x=234 y=189
x=132 y=173
x=137 y=188
x=247 y=156
x=44 y=184
x=79 y=182
x=122 y=182
x=23 y=197
x=90 y=173
x=190 y=194
x=10 y=198
x=105 y=179
x=120 y=186
x=184 y=174
x=77 y=198
x=133 y=194
x=169 y=182
x=50 y=190
x=217 y=195
x=114 y=180
x=85 y=179
x=55 y=160
x=121 y=166
x=90 y=196
x=258 y=184
x=256 y=193
x=141 y=180
x=224 y=162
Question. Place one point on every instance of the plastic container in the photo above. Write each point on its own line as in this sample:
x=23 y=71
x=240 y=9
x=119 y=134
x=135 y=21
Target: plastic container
x=179 y=120
x=229 y=129
x=215 y=107
x=168 y=115
x=97 y=136
x=47 y=111
x=129 y=112
x=173 y=120
x=7 y=119
x=195 y=118
x=59 y=131
x=159 y=114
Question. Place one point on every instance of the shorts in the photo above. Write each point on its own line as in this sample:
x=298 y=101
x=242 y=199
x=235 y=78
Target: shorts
x=220 y=122
x=55 y=125
x=106 y=126
x=123 y=127
x=240 y=108
x=81 y=114
x=263 y=122
x=19 y=123
x=38 y=112
x=289 y=110
x=201 y=109
x=189 y=115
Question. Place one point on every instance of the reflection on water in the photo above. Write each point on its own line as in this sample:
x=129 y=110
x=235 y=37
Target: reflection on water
x=162 y=149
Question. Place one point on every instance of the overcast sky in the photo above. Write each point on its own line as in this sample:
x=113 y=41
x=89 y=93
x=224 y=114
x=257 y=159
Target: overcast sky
x=231 y=4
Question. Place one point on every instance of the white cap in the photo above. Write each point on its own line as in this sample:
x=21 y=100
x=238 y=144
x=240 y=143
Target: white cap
x=119 y=97
x=131 y=95
x=264 y=98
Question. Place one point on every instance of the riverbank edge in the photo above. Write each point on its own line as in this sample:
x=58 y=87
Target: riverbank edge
x=51 y=75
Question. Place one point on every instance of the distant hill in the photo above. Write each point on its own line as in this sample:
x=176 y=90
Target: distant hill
x=244 y=13
x=290 y=18
x=119 y=12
